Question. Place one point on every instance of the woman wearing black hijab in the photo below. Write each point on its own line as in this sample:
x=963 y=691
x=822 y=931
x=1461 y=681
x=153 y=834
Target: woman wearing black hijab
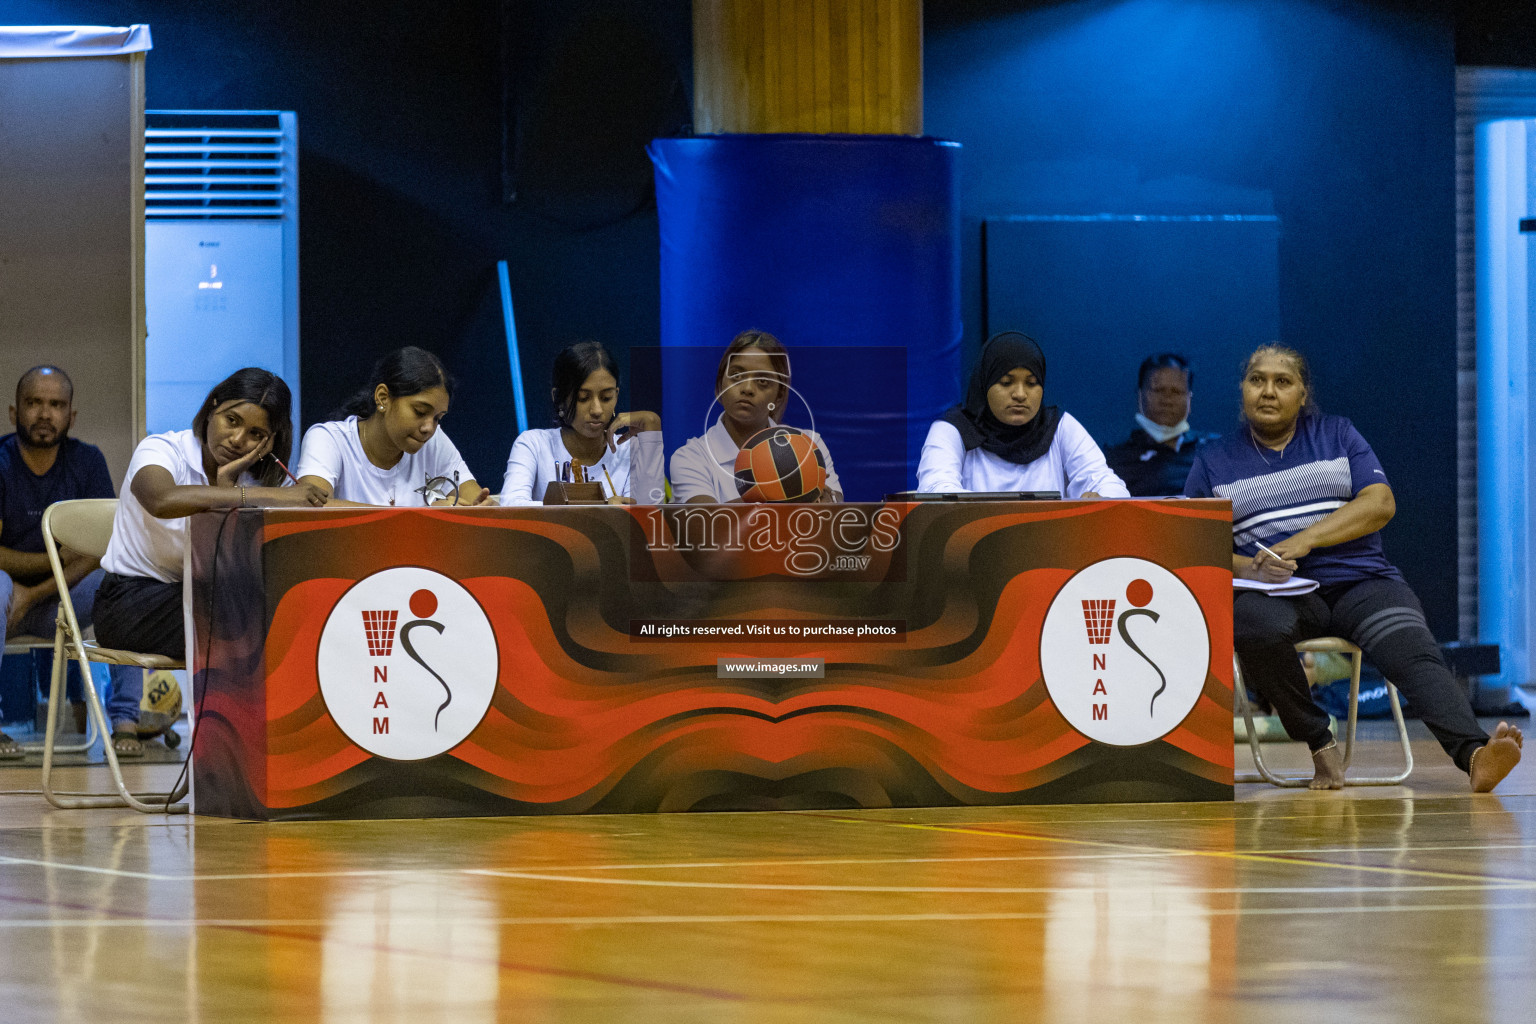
x=1004 y=438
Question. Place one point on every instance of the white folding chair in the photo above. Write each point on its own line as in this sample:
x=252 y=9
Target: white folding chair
x=85 y=526
x=1324 y=645
x=23 y=644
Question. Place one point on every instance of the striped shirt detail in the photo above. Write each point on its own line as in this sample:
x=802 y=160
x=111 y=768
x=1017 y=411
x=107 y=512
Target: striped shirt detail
x=1277 y=494
x=1325 y=478
x=1276 y=505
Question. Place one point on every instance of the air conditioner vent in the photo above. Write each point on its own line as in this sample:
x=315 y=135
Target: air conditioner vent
x=205 y=164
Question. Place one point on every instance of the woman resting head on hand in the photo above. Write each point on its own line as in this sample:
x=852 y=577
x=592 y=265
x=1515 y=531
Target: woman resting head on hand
x=231 y=458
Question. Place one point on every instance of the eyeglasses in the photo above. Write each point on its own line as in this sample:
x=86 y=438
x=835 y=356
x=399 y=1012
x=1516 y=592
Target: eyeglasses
x=440 y=488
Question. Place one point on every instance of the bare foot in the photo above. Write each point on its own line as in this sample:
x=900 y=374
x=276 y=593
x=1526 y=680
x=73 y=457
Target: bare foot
x=1330 y=768
x=1491 y=763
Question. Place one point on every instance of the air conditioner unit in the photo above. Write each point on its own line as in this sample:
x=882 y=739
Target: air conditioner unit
x=221 y=254
x=1505 y=210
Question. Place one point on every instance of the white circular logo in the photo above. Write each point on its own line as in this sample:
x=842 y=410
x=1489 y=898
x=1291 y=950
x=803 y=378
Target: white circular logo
x=1124 y=651
x=407 y=663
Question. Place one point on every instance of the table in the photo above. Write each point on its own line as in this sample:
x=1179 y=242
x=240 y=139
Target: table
x=374 y=663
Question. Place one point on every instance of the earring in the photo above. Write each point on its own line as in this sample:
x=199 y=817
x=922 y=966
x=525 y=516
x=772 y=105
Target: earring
x=381 y=408
x=771 y=407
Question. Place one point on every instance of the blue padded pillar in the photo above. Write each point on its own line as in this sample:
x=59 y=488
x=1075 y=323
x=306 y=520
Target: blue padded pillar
x=834 y=243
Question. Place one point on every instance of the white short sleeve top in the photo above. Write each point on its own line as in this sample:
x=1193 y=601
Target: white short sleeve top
x=333 y=451
x=635 y=468
x=142 y=545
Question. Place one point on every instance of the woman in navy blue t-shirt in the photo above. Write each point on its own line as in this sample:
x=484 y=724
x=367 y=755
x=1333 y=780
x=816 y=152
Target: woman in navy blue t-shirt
x=1308 y=488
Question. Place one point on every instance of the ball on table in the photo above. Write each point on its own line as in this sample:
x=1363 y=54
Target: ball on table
x=780 y=464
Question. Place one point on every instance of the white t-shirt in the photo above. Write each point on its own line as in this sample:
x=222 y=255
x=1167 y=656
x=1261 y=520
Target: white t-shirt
x=635 y=467
x=334 y=453
x=1073 y=465
x=707 y=465
x=142 y=545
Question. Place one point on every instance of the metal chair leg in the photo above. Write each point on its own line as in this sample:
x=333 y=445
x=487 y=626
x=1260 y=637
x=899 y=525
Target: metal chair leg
x=1352 y=713
x=1403 y=741
x=1240 y=691
x=1352 y=721
x=61 y=668
x=95 y=711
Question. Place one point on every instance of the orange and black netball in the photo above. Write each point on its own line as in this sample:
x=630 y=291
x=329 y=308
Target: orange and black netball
x=780 y=464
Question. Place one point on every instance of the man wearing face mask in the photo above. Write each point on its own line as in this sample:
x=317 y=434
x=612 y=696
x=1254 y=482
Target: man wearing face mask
x=1155 y=460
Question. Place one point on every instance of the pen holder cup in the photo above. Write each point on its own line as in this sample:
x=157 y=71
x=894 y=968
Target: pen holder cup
x=569 y=493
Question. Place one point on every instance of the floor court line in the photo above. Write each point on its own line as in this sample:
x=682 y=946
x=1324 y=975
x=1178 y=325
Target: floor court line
x=1150 y=853
x=1247 y=819
x=319 y=936
x=1217 y=854
x=662 y=883
x=569 y=973
x=249 y=924
x=88 y=868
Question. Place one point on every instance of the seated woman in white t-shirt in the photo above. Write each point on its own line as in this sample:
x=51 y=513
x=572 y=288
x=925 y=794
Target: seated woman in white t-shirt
x=621 y=451
x=231 y=458
x=384 y=446
x=1002 y=439
x=752 y=387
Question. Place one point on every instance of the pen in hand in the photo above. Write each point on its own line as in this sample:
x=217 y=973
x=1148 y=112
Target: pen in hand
x=1271 y=553
x=285 y=469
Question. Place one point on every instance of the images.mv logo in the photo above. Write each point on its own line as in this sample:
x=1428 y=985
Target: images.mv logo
x=1124 y=651
x=407 y=663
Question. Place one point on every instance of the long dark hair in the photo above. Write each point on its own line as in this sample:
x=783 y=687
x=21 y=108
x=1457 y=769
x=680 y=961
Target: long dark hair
x=778 y=357
x=572 y=368
x=264 y=389
x=405 y=371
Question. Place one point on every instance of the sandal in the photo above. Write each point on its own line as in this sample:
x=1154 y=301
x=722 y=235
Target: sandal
x=10 y=750
x=126 y=743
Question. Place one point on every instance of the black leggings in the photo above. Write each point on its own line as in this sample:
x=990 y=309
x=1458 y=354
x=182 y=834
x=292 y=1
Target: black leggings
x=1384 y=618
x=134 y=613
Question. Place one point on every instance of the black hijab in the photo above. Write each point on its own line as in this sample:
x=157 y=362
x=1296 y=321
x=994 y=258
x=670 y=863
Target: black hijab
x=979 y=428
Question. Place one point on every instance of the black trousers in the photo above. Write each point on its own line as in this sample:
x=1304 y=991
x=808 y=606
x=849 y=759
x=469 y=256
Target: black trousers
x=134 y=613
x=1381 y=616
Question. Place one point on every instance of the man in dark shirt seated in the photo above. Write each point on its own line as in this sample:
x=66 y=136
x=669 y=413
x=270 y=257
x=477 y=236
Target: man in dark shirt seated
x=39 y=465
x=1155 y=460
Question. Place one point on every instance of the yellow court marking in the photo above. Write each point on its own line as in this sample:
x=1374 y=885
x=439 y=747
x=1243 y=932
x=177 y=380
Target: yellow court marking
x=647 y=919
x=1258 y=815
x=997 y=890
x=1260 y=858
x=1122 y=853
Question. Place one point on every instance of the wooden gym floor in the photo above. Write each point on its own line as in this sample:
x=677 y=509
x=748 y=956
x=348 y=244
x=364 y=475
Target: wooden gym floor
x=1404 y=904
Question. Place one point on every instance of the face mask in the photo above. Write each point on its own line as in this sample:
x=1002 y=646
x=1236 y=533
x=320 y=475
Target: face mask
x=1160 y=433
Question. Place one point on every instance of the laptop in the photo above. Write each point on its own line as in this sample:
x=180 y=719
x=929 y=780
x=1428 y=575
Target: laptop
x=974 y=496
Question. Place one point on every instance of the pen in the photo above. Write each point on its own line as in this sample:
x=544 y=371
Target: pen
x=285 y=469
x=612 y=490
x=1270 y=553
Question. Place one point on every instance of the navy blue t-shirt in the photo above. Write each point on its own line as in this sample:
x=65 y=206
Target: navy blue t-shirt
x=79 y=471
x=1276 y=495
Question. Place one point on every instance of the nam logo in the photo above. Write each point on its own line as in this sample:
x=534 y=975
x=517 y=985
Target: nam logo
x=407 y=663
x=1124 y=651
